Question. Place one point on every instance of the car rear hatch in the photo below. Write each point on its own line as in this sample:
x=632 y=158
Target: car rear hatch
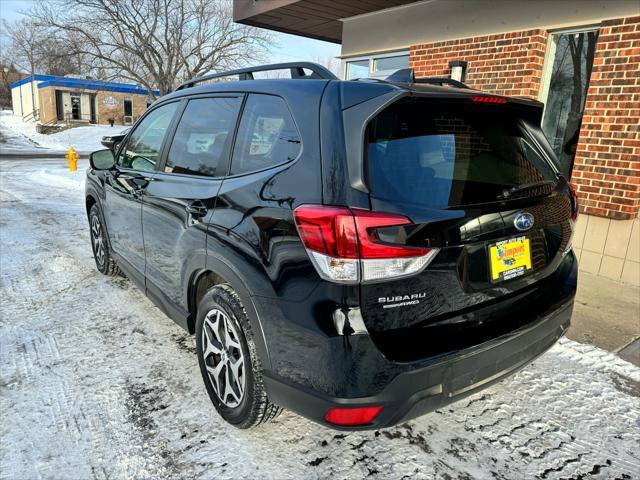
x=483 y=199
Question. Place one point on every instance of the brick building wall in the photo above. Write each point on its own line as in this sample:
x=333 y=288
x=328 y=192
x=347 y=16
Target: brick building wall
x=104 y=110
x=607 y=162
x=138 y=103
x=505 y=64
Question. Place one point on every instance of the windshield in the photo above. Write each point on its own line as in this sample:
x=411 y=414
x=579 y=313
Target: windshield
x=447 y=154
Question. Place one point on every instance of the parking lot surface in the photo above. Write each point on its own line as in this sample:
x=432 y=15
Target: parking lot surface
x=95 y=382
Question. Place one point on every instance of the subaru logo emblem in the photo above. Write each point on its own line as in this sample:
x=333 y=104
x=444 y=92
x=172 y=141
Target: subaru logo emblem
x=523 y=221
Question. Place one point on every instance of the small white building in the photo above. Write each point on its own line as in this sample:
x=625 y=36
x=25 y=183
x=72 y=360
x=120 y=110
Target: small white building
x=50 y=99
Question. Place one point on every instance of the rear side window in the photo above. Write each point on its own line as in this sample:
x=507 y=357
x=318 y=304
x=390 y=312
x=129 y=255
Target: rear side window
x=267 y=135
x=440 y=154
x=203 y=137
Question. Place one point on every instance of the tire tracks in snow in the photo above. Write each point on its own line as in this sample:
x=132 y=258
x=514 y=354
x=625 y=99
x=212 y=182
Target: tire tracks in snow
x=97 y=383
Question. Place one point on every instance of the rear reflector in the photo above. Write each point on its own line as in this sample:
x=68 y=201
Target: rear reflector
x=352 y=416
x=488 y=99
x=344 y=246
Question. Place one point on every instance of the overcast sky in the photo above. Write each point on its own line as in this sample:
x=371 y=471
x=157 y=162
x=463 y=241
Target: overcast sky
x=289 y=48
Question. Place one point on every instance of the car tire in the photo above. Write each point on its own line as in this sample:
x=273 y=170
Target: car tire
x=229 y=362
x=100 y=244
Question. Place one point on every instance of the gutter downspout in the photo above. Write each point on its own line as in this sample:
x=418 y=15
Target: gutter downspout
x=33 y=97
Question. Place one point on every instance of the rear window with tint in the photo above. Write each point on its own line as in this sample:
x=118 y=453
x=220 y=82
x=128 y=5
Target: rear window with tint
x=266 y=137
x=203 y=138
x=440 y=154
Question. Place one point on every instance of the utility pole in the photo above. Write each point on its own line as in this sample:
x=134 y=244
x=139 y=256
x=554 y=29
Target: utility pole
x=33 y=92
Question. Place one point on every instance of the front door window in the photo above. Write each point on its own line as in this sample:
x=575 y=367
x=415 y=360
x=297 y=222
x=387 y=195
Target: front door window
x=143 y=145
x=565 y=89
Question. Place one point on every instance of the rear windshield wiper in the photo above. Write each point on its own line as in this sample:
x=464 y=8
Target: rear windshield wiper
x=509 y=192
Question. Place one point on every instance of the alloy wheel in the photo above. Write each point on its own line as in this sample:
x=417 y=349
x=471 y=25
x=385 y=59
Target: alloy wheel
x=98 y=240
x=223 y=357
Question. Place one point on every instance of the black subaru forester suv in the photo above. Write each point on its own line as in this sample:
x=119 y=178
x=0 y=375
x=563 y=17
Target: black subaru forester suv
x=360 y=252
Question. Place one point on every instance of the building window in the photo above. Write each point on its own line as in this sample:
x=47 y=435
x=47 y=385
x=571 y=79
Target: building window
x=376 y=66
x=128 y=111
x=385 y=66
x=357 y=69
x=564 y=89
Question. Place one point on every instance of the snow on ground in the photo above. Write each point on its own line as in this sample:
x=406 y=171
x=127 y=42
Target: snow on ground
x=95 y=382
x=19 y=136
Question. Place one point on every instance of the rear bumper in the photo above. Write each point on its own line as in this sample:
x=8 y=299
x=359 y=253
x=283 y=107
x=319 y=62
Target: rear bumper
x=428 y=388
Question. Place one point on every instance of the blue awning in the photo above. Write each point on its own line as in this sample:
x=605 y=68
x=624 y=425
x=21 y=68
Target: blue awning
x=45 y=81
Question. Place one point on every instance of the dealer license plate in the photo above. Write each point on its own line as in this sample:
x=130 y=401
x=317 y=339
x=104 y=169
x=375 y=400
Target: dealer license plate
x=509 y=259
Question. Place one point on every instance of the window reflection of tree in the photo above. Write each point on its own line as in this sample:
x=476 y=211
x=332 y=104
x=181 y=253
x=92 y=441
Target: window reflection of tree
x=568 y=85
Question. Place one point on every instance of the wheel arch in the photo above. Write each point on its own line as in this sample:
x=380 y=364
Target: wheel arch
x=217 y=272
x=90 y=201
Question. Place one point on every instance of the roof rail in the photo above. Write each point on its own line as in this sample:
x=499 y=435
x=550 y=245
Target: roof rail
x=297 y=71
x=406 y=75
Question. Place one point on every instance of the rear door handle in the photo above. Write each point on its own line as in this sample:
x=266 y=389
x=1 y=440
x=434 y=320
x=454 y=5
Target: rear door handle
x=197 y=209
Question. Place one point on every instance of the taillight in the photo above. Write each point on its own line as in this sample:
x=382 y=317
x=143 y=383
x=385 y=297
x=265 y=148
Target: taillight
x=574 y=202
x=488 y=99
x=344 y=245
x=352 y=416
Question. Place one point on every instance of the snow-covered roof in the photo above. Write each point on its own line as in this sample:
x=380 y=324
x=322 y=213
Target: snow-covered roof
x=44 y=81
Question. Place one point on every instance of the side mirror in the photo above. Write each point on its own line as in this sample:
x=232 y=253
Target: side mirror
x=102 y=160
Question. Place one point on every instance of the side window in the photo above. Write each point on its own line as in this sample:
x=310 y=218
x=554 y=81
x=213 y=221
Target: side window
x=201 y=143
x=267 y=135
x=143 y=146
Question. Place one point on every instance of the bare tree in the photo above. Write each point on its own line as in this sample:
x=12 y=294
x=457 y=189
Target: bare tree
x=155 y=43
x=8 y=74
x=35 y=48
x=25 y=38
x=330 y=63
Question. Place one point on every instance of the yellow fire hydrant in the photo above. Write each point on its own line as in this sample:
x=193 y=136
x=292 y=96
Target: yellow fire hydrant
x=72 y=156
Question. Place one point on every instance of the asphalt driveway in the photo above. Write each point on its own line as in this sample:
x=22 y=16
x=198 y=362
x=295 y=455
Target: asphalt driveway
x=95 y=382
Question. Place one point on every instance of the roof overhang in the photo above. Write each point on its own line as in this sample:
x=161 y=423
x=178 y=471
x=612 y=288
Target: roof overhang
x=319 y=19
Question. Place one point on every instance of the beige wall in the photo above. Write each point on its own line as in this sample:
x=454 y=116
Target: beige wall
x=609 y=247
x=16 y=102
x=439 y=20
x=22 y=99
x=104 y=113
x=47 y=105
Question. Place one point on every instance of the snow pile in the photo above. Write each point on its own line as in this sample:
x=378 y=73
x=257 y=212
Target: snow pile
x=95 y=382
x=21 y=136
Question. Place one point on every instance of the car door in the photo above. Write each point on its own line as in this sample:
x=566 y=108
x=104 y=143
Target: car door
x=125 y=186
x=180 y=199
